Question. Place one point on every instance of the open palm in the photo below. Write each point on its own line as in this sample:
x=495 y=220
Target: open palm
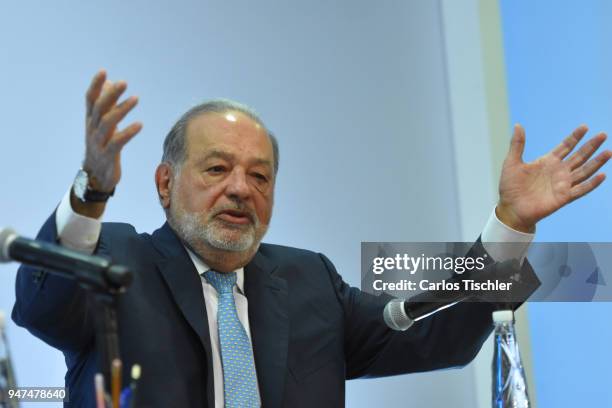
x=531 y=191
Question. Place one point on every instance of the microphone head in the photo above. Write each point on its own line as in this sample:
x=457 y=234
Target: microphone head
x=7 y=236
x=395 y=316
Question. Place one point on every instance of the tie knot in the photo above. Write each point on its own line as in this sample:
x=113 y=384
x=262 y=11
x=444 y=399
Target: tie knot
x=222 y=282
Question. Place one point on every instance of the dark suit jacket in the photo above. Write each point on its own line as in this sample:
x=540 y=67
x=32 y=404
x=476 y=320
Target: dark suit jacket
x=310 y=330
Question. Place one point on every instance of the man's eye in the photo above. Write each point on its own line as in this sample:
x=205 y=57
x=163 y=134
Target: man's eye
x=216 y=169
x=260 y=177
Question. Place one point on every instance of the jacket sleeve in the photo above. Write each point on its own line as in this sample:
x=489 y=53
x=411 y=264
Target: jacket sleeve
x=450 y=338
x=55 y=309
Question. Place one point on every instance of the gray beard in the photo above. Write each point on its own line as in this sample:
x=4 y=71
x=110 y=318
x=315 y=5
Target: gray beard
x=195 y=233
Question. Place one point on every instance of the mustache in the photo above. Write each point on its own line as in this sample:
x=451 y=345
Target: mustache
x=249 y=213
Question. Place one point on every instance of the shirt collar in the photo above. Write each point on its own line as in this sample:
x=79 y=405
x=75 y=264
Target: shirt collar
x=201 y=267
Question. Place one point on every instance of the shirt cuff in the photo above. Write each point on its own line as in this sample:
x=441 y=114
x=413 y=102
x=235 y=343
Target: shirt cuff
x=503 y=243
x=76 y=231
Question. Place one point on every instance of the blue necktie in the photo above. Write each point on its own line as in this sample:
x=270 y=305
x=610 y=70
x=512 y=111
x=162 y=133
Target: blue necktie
x=239 y=377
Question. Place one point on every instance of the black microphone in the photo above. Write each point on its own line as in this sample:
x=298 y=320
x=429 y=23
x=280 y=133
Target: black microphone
x=401 y=314
x=92 y=271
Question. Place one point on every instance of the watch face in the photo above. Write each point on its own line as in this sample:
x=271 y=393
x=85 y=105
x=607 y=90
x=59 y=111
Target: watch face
x=80 y=185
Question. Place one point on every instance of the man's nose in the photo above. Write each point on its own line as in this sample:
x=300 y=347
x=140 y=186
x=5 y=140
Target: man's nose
x=237 y=185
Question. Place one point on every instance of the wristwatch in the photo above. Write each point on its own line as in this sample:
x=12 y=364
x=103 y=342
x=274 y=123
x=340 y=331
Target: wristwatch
x=83 y=191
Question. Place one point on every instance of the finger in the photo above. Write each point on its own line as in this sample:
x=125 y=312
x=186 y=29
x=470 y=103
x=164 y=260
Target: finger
x=517 y=145
x=568 y=144
x=586 y=151
x=586 y=186
x=121 y=138
x=586 y=171
x=94 y=90
x=110 y=96
x=112 y=118
x=94 y=118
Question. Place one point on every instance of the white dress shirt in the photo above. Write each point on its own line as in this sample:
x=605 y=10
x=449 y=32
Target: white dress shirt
x=81 y=233
x=211 y=298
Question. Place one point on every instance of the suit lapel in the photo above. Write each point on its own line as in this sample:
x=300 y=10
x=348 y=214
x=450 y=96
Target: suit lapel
x=185 y=284
x=268 y=299
x=269 y=321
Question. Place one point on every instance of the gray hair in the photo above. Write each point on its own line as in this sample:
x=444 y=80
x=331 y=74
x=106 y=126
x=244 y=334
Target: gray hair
x=175 y=149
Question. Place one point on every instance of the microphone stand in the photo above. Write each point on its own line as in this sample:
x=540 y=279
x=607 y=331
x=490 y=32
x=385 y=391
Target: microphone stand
x=107 y=333
x=103 y=281
x=105 y=284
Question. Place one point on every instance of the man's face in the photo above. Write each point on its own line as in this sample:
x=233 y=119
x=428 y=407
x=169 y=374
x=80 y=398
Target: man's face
x=223 y=195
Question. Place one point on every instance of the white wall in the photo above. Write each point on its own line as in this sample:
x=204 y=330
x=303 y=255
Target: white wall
x=356 y=91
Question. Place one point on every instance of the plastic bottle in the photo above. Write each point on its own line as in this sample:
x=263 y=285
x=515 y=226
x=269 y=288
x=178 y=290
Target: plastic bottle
x=509 y=384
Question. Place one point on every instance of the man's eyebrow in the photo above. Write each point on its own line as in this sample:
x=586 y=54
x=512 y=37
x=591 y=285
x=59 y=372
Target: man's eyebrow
x=264 y=162
x=212 y=154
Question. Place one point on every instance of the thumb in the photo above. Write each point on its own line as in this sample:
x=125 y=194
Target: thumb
x=517 y=145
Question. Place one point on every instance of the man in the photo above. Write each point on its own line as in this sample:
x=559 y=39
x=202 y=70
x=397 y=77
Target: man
x=214 y=317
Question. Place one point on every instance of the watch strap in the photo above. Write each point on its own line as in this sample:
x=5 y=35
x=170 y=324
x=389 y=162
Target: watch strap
x=85 y=193
x=97 y=196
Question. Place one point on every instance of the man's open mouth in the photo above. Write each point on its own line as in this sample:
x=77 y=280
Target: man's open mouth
x=235 y=216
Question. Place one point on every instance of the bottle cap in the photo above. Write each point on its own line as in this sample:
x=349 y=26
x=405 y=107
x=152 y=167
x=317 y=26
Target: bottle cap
x=503 y=316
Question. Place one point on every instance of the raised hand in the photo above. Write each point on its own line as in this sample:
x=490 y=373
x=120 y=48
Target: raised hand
x=529 y=192
x=102 y=139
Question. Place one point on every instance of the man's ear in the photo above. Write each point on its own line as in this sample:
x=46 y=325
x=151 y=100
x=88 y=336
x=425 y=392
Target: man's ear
x=164 y=179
